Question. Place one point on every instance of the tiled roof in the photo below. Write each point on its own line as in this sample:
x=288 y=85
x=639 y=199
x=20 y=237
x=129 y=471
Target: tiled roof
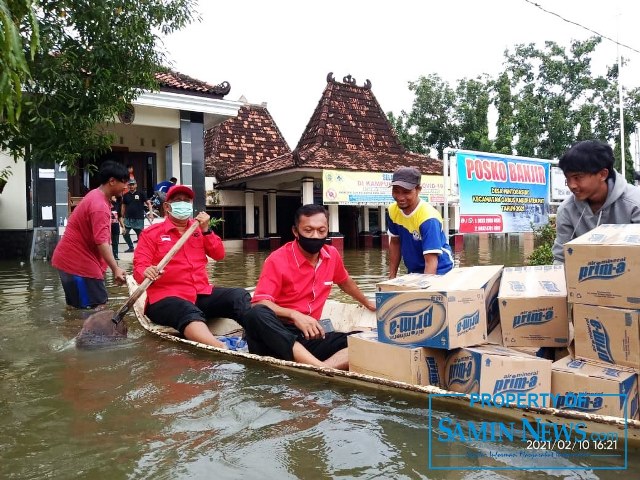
x=347 y=131
x=243 y=142
x=170 y=80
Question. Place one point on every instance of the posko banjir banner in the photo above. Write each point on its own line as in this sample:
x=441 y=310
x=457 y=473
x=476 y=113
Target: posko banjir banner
x=501 y=193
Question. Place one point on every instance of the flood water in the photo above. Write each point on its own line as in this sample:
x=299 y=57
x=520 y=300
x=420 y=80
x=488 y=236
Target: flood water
x=152 y=409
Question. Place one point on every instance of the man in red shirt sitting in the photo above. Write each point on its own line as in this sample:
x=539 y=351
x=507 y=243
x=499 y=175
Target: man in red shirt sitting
x=84 y=251
x=181 y=295
x=291 y=292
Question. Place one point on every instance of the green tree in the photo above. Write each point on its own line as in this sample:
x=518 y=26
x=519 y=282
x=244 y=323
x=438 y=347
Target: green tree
x=558 y=100
x=13 y=57
x=433 y=114
x=472 y=111
x=405 y=137
x=94 y=59
x=505 y=125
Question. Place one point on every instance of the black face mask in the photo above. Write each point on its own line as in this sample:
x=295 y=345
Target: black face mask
x=311 y=245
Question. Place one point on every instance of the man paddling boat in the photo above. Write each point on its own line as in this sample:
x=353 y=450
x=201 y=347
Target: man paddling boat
x=181 y=295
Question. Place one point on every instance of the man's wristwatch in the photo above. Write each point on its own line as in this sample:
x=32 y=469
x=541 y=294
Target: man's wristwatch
x=208 y=232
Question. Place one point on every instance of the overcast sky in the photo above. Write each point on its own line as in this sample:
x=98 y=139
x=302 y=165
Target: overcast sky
x=280 y=52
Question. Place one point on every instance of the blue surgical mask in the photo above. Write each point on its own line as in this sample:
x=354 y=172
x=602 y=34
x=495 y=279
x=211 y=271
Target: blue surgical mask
x=181 y=210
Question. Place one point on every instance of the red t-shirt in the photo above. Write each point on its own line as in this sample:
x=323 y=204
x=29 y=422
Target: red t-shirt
x=185 y=276
x=290 y=281
x=89 y=226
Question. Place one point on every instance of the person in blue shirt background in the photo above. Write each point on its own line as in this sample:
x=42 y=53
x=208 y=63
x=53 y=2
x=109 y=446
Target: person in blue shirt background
x=416 y=232
x=164 y=187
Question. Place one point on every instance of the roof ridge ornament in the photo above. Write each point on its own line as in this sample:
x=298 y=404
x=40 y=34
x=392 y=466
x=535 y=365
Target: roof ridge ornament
x=222 y=88
x=349 y=80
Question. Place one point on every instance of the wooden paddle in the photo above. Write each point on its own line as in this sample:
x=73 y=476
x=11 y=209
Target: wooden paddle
x=105 y=322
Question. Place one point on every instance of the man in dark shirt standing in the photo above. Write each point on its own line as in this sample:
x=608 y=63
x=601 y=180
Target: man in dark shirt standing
x=132 y=217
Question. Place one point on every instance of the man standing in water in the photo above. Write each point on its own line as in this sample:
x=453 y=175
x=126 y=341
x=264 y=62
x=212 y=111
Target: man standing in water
x=181 y=295
x=415 y=228
x=291 y=292
x=84 y=252
x=599 y=194
x=132 y=214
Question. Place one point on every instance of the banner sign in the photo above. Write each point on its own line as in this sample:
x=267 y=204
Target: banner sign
x=559 y=189
x=346 y=187
x=502 y=194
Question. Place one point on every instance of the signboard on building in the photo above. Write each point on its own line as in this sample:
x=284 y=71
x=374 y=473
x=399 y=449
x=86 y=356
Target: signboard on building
x=559 y=189
x=346 y=187
x=501 y=193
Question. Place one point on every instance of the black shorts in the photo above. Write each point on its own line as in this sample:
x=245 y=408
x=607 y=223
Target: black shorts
x=177 y=313
x=83 y=292
x=267 y=335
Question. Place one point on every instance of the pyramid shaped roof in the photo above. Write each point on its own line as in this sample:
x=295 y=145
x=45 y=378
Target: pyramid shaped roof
x=347 y=131
x=243 y=142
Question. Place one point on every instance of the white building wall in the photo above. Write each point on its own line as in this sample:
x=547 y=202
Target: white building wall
x=13 y=202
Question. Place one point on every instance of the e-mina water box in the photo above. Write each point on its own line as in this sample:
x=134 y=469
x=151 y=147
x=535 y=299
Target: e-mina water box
x=603 y=265
x=592 y=388
x=493 y=370
x=607 y=335
x=533 y=306
x=450 y=312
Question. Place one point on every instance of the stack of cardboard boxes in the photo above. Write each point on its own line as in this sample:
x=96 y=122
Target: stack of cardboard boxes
x=489 y=329
x=437 y=330
x=602 y=269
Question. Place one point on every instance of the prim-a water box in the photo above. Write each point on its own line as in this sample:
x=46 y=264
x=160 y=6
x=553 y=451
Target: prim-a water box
x=602 y=266
x=607 y=335
x=494 y=370
x=414 y=365
x=533 y=306
x=591 y=388
x=451 y=312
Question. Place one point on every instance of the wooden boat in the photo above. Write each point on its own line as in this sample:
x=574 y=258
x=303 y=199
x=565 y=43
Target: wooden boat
x=348 y=317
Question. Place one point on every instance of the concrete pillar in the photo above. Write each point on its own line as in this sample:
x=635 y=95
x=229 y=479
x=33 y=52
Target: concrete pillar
x=307 y=190
x=192 y=156
x=382 y=212
x=62 y=196
x=384 y=237
x=365 y=219
x=365 y=239
x=261 y=218
x=249 y=206
x=274 y=238
x=168 y=161
x=250 y=241
x=337 y=239
x=273 y=224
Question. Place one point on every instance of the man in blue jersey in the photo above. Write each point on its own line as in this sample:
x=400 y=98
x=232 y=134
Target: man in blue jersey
x=415 y=228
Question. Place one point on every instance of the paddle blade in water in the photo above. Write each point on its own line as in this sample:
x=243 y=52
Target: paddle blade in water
x=99 y=328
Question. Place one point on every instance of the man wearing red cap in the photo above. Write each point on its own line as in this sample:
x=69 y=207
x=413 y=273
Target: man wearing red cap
x=181 y=295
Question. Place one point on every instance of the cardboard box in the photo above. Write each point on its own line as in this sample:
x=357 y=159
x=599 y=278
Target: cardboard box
x=451 y=312
x=411 y=281
x=594 y=389
x=548 y=353
x=533 y=306
x=417 y=365
x=602 y=266
x=496 y=370
x=607 y=335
